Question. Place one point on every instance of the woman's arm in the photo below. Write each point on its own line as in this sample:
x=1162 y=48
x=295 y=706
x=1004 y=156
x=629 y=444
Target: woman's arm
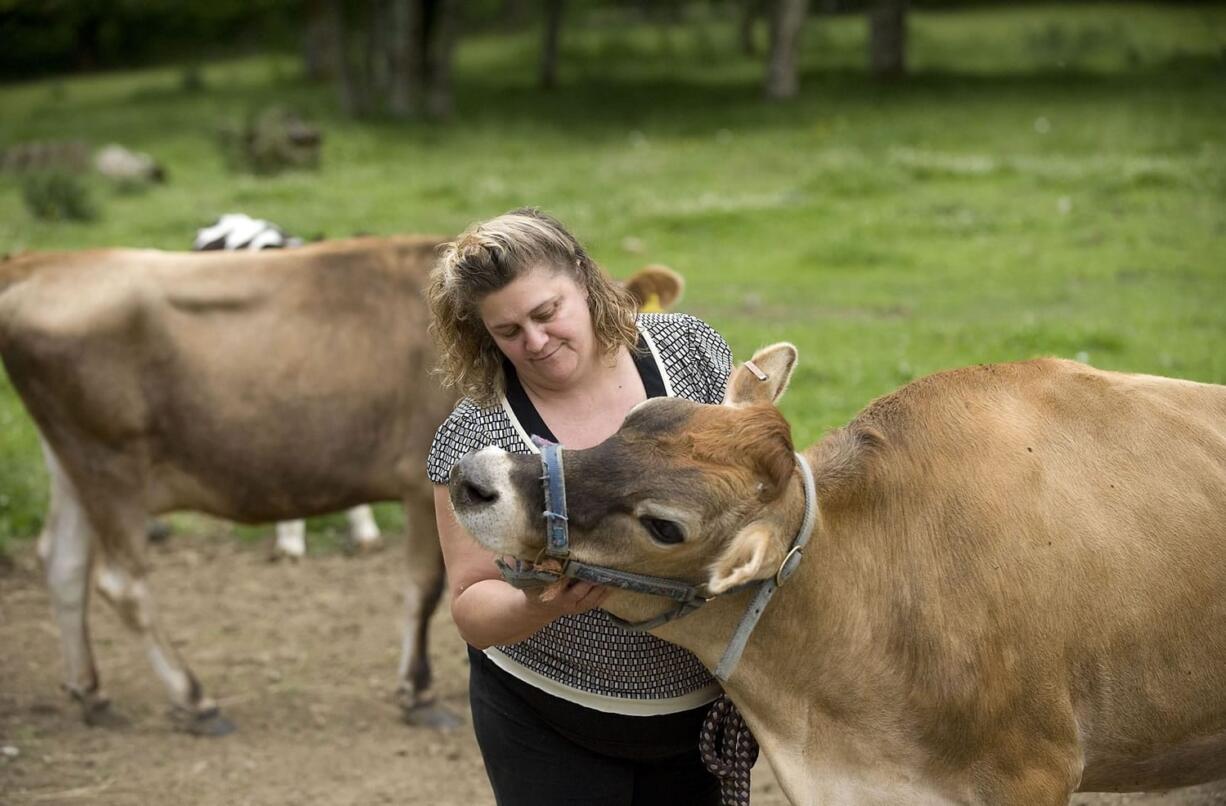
x=486 y=610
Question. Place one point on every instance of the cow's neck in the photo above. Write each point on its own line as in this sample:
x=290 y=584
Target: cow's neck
x=774 y=683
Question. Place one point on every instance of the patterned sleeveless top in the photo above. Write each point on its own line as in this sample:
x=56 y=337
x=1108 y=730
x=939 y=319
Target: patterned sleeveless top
x=586 y=658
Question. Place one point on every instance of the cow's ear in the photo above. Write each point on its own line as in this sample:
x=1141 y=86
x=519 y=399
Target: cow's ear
x=753 y=554
x=764 y=378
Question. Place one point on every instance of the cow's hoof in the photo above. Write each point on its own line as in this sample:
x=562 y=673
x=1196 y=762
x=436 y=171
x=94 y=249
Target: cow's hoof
x=98 y=714
x=96 y=709
x=210 y=722
x=158 y=531
x=279 y=554
x=430 y=715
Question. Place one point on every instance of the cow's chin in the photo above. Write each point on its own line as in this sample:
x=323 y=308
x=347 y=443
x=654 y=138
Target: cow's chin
x=488 y=526
x=636 y=607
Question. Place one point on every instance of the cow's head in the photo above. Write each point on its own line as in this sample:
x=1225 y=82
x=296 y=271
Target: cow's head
x=682 y=490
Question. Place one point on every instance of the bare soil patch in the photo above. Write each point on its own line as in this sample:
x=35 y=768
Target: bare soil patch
x=301 y=657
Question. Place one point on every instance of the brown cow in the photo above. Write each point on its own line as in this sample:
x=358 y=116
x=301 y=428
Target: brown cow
x=252 y=386
x=1016 y=587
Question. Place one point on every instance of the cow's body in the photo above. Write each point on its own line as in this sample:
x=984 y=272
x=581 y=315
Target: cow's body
x=1016 y=588
x=252 y=386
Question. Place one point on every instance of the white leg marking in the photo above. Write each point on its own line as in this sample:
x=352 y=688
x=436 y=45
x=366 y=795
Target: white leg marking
x=130 y=597
x=64 y=546
x=362 y=526
x=291 y=539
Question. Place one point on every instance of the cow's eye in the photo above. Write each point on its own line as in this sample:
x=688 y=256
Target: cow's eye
x=664 y=531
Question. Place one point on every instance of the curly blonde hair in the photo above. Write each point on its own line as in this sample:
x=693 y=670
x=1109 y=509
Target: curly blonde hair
x=486 y=258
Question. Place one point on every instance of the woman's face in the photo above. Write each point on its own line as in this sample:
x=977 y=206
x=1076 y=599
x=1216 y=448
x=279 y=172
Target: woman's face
x=541 y=323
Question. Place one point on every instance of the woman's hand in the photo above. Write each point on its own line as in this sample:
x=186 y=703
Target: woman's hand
x=566 y=597
x=488 y=611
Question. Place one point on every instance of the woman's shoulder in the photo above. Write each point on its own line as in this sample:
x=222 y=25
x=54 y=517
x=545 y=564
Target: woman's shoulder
x=670 y=327
x=469 y=416
x=695 y=356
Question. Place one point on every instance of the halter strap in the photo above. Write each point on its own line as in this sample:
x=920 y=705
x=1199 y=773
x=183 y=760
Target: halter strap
x=767 y=587
x=557 y=536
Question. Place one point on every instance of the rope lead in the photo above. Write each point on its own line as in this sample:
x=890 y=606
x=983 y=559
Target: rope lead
x=737 y=751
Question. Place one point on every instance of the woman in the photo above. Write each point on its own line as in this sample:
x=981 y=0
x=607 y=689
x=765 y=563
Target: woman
x=567 y=707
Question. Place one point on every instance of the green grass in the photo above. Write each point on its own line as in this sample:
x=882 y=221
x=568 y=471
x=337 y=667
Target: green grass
x=1049 y=181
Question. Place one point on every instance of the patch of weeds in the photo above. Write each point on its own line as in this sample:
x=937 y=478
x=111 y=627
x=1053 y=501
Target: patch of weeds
x=937 y=165
x=58 y=196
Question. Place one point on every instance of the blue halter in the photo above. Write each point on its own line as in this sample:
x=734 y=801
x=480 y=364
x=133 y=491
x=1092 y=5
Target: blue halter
x=521 y=574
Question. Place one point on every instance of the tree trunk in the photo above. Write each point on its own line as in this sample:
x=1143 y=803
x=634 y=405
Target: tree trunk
x=419 y=51
x=402 y=65
x=888 y=38
x=378 y=51
x=514 y=14
x=349 y=84
x=750 y=11
x=787 y=18
x=549 y=44
x=319 y=41
x=87 y=39
x=438 y=46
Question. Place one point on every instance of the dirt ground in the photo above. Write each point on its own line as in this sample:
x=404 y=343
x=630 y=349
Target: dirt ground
x=301 y=657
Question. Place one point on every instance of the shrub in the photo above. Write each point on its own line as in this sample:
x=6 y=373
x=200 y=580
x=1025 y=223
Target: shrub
x=271 y=141
x=57 y=196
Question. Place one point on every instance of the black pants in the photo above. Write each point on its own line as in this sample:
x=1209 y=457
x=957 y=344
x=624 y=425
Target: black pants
x=546 y=751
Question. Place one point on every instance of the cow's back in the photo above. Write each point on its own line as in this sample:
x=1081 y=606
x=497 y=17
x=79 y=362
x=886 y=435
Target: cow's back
x=240 y=375
x=1046 y=521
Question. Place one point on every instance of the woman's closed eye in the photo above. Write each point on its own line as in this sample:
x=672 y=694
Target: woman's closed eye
x=545 y=316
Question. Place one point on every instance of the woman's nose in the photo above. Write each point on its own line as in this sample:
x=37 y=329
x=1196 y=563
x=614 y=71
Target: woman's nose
x=535 y=339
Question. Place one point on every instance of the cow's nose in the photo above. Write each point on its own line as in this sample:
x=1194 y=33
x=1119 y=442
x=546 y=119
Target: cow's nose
x=478 y=494
x=470 y=485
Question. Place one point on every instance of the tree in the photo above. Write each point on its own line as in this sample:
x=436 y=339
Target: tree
x=787 y=18
x=390 y=56
x=549 y=44
x=320 y=40
x=888 y=38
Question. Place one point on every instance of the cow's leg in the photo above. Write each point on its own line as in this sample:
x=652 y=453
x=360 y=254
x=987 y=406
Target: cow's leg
x=363 y=530
x=423 y=589
x=291 y=540
x=66 y=547
x=1038 y=771
x=121 y=578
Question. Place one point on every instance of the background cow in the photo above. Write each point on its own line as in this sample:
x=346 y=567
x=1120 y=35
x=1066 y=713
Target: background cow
x=251 y=386
x=1016 y=587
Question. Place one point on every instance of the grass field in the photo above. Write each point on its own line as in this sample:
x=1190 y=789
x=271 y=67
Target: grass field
x=1048 y=181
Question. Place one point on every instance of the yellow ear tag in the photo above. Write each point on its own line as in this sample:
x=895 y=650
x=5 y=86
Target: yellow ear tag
x=651 y=304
